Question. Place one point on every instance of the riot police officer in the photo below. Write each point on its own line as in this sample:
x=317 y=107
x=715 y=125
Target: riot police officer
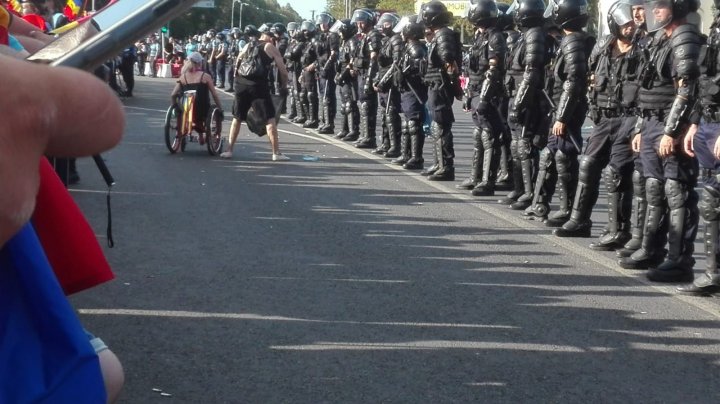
x=558 y=163
x=392 y=49
x=220 y=54
x=442 y=79
x=292 y=27
x=668 y=91
x=705 y=143
x=327 y=46
x=210 y=52
x=527 y=115
x=233 y=52
x=295 y=53
x=506 y=24
x=308 y=61
x=348 y=83
x=639 y=202
x=413 y=93
x=613 y=94
x=486 y=68
x=364 y=67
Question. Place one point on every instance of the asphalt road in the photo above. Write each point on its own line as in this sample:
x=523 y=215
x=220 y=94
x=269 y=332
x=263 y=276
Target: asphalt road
x=338 y=278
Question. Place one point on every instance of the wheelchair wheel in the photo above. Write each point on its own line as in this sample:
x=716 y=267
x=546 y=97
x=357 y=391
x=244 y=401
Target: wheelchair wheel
x=213 y=132
x=174 y=140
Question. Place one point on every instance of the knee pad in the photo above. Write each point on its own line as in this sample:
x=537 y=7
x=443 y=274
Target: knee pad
x=612 y=179
x=638 y=181
x=477 y=136
x=405 y=129
x=364 y=109
x=435 y=130
x=524 y=148
x=487 y=139
x=563 y=162
x=588 y=169
x=414 y=127
x=676 y=193
x=710 y=204
x=655 y=191
x=546 y=159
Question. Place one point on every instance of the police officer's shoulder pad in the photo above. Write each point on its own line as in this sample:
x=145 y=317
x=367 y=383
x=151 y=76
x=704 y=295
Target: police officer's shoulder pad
x=685 y=34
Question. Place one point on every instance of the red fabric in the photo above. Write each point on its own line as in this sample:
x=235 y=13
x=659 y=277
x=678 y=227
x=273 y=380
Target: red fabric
x=36 y=20
x=68 y=240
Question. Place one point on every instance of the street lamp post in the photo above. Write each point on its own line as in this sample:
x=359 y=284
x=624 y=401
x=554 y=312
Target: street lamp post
x=232 y=13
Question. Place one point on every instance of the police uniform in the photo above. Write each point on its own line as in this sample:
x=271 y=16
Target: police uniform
x=327 y=46
x=370 y=43
x=392 y=51
x=486 y=72
x=613 y=96
x=669 y=85
x=348 y=83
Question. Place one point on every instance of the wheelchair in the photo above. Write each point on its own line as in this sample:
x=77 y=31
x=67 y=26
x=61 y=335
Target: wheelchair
x=189 y=121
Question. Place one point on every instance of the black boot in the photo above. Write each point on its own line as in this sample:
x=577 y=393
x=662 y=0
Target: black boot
x=394 y=133
x=437 y=154
x=708 y=282
x=446 y=171
x=544 y=186
x=586 y=195
x=312 y=121
x=517 y=180
x=504 y=177
x=525 y=200
x=328 y=126
x=619 y=202
x=404 y=147
x=651 y=252
x=486 y=186
x=345 y=122
x=477 y=163
x=639 y=211
x=367 y=136
x=567 y=169
x=417 y=141
x=683 y=219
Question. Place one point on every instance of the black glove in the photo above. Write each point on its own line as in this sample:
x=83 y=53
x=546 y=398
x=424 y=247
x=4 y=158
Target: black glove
x=283 y=92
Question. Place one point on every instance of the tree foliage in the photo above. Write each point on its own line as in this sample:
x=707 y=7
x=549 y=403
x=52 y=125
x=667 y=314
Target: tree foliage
x=257 y=12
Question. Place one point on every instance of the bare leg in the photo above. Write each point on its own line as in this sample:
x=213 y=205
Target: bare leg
x=271 y=128
x=232 y=137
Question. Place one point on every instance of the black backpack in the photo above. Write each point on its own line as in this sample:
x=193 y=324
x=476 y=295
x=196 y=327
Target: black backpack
x=251 y=65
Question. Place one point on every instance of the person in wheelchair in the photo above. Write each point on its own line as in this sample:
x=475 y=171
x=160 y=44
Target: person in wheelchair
x=194 y=77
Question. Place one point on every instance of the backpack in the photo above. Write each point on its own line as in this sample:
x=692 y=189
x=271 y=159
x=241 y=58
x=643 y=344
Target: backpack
x=251 y=65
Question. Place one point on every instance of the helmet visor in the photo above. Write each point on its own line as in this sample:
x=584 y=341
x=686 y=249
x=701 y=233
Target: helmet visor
x=658 y=14
x=404 y=22
x=551 y=7
x=335 y=29
x=621 y=13
x=513 y=7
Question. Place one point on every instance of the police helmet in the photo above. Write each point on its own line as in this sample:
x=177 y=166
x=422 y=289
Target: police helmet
x=506 y=19
x=278 y=30
x=678 y=9
x=435 y=15
x=414 y=31
x=220 y=36
x=363 y=15
x=568 y=14
x=619 y=14
x=251 y=31
x=528 y=13
x=324 y=18
x=386 y=23
x=308 y=29
x=344 y=28
x=235 y=32
x=483 y=13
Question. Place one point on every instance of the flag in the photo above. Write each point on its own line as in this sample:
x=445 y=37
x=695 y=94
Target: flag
x=74 y=6
x=67 y=239
x=45 y=354
x=15 y=6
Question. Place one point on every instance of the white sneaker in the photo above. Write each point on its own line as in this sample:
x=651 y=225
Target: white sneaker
x=226 y=155
x=280 y=157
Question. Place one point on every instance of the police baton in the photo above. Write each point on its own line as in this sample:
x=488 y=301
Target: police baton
x=553 y=109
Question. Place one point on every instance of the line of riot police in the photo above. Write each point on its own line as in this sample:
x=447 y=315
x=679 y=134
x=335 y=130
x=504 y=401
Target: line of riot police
x=651 y=89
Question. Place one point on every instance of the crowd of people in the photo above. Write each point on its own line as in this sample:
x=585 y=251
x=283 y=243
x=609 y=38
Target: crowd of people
x=531 y=76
